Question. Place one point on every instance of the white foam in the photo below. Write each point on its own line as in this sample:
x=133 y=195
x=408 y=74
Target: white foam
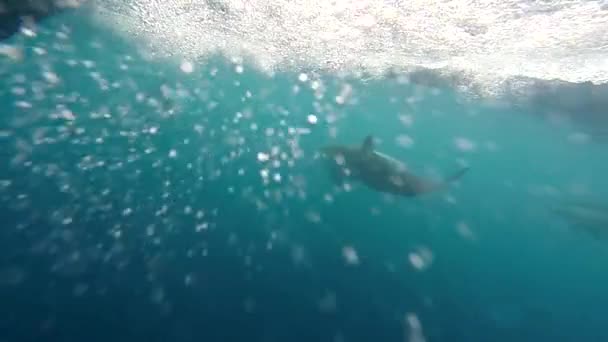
x=484 y=41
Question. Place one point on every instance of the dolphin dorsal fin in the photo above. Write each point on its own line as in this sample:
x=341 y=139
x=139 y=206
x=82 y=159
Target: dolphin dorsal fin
x=368 y=144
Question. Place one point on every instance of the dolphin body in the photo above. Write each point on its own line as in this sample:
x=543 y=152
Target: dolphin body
x=379 y=171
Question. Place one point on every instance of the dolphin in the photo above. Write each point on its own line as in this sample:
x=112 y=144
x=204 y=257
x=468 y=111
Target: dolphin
x=378 y=171
x=586 y=216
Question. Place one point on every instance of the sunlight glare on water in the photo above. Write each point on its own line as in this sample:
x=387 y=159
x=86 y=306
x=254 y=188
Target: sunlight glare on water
x=484 y=42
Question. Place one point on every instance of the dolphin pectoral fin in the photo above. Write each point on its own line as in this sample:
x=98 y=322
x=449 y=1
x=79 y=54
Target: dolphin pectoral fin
x=457 y=175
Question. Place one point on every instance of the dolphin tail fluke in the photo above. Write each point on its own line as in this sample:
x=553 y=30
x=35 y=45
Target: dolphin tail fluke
x=442 y=185
x=457 y=175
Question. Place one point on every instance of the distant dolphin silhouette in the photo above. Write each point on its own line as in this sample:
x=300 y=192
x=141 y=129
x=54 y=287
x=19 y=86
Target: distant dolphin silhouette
x=586 y=216
x=379 y=171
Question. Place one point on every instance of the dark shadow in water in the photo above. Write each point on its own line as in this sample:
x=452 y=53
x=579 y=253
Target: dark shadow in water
x=14 y=12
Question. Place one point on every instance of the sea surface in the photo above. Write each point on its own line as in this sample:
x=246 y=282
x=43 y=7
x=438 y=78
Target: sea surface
x=161 y=174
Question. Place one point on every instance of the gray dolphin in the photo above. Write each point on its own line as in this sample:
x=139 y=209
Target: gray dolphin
x=587 y=216
x=379 y=171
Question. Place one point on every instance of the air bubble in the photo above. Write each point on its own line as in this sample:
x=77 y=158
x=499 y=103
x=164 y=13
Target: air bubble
x=263 y=156
x=312 y=119
x=51 y=77
x=28 y=32
x=298 y=255
x=579 y=138
x=350 y=255
x=313 y=217
x=11 y=52
x=405 y=141
x=465 y=231
x=187 y=67
x=421 y=259
x=157 y=295
x=406 y=120
x=23 y=104
x=327 y=304
x=188 y=279
x=80 y=289
x=414 y=328
x=464 y=144
x=68 y=115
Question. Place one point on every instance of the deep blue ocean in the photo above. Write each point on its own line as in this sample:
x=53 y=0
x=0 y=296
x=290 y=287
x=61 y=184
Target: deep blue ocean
x=147 y=198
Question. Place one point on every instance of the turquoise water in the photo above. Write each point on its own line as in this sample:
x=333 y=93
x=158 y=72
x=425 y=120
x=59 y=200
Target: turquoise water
x=206 y=214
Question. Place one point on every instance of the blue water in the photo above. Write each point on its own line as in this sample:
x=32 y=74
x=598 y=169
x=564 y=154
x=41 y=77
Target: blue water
x=125 y=219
